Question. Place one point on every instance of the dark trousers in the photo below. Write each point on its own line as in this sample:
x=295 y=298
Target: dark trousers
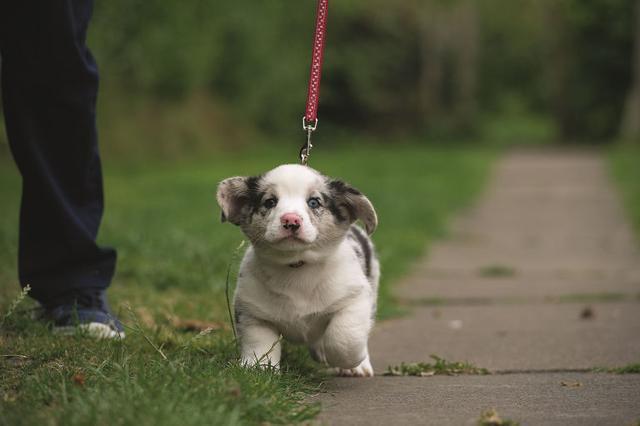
x=49 y=89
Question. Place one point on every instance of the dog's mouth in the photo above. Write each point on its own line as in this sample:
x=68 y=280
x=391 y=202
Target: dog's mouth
x=291 y=241
x=292 y=238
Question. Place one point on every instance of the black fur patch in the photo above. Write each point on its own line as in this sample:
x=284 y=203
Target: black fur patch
x=331 y=204
x=340 y=187
x=254 y=195
x=336 y=202
x=253 y=192
x=241 y=193
x=366 y=248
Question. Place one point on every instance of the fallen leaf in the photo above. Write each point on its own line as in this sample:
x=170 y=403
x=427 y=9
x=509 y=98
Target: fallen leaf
x=571 y=384
x=78 y=379
x=587 y=313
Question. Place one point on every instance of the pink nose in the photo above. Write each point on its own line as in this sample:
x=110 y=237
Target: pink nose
x=291 y=221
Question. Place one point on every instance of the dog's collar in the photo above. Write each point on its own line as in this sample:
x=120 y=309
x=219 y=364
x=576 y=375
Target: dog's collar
x=297 y=264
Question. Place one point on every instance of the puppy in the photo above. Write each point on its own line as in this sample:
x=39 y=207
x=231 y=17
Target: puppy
x=309 y=275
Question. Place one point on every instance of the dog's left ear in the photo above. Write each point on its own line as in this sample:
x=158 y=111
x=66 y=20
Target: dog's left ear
x=353 y=202
x=234 y=197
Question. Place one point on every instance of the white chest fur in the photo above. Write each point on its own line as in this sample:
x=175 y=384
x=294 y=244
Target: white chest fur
x=300 y=301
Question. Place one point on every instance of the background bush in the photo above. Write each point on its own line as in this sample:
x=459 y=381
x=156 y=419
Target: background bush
x=182 y=76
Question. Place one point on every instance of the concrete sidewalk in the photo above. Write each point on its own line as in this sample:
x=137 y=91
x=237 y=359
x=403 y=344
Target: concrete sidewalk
x=540 y=280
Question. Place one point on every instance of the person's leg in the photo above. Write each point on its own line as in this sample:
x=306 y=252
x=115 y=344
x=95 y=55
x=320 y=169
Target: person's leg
x=49 y=88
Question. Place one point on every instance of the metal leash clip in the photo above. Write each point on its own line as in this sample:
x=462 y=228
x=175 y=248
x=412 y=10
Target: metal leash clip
x=305 y=151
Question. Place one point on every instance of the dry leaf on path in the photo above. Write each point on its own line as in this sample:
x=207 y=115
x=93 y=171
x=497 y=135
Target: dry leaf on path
x=571 y=384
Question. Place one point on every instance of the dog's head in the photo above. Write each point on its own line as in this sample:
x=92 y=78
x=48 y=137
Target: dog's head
x=293 y=208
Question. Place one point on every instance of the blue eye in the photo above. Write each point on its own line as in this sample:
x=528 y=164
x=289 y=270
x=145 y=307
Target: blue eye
x=314 y=203
x=270 y=203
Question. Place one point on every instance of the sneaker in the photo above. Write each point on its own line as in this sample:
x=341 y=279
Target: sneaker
x=87 y=312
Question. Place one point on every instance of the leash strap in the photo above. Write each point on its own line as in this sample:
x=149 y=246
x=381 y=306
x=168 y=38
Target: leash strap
x=310 y=118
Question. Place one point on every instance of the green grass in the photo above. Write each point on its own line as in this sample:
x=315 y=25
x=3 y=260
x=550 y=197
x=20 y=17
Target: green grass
x=497 y=271
x=492 y=418
x=627 y=369
x=77 y=380
x=173 y=254
x=440 y=366
x=625 y=166
x=588 y=298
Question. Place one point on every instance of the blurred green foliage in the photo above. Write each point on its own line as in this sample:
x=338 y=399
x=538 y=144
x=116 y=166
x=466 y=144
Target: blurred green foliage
x=599 y=37
x=181 y=75
x=250 y=56
x=439 y=68
x=624 y=161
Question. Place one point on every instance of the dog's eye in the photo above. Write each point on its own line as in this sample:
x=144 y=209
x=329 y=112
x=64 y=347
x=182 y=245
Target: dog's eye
x=270 y=203
x=314 y=203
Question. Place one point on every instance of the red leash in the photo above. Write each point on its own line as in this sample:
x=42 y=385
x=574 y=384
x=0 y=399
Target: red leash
x=310 y=118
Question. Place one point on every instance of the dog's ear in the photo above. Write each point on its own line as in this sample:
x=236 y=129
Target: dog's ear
x=348 y=200
x=234 y=198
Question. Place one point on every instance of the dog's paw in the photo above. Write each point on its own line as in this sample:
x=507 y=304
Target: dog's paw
x=363 y=370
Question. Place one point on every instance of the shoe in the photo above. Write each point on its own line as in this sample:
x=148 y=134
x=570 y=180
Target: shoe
x=88 y=312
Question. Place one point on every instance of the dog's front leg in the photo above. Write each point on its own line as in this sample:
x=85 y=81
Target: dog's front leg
x=259 y=344
x=344 y=344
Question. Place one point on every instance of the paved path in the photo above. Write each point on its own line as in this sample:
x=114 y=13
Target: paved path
x=540 y=282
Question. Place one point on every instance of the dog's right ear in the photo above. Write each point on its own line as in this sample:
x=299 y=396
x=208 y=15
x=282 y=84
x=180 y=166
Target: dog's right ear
x=352 y=204
x=233 y=197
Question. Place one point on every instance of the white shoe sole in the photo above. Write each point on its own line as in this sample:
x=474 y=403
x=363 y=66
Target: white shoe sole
x=92 y=329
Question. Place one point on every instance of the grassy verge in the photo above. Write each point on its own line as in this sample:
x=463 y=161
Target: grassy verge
x=627 y=369
x=440 y=366
x=173 y=253
x=625 y=165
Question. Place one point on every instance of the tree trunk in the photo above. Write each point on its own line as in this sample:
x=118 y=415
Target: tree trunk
x=449 y=40
x=630 y=126
x=466 y=67
x=431 y=69
x=559 y=69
